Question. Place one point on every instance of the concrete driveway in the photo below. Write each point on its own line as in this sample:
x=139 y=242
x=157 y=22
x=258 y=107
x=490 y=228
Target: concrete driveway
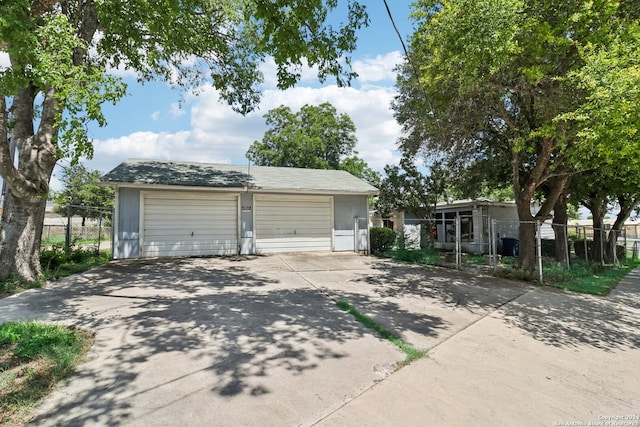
x=260 y=341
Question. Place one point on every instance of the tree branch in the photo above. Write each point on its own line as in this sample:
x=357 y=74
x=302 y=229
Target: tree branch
x=39 y=7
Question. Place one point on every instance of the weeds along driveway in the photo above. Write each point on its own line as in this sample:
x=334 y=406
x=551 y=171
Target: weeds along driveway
x=247 y=341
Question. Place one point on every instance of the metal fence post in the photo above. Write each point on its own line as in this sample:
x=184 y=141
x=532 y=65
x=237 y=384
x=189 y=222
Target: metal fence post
x=99 y=231
x=495 y=246
x=539 y=251
x=67 y=236
x=586 y=247
x=458 y=237
x=567 y=251
x=602 y=234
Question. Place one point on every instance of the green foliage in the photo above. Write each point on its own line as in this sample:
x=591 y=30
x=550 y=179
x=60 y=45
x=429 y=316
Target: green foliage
x=315 y=137
x=13 y=285
x=359 y=168
x=58 y=261
x=82 y=188
x=609 y=118
x=406 y=188
x=9 y=333
x=518 y=90
x=382 y=239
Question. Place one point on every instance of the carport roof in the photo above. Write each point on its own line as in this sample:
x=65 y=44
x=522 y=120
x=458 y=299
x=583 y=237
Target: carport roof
x=155 y=172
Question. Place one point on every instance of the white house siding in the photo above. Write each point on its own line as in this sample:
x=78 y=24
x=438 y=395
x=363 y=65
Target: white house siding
x=292 y=223
x=188 y=224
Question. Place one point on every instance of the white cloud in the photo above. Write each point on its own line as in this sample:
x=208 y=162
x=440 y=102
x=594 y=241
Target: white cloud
x=220 y=135
x=378 y=69
x=176 y=110
x=155 y=115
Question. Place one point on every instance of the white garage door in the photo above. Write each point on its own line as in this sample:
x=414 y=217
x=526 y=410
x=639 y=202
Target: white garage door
x=189 y=224
x=293 y=223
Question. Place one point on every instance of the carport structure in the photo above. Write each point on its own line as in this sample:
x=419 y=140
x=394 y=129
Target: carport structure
x=166 y=209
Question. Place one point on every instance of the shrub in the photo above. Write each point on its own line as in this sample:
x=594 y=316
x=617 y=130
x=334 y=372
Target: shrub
x=382 y=239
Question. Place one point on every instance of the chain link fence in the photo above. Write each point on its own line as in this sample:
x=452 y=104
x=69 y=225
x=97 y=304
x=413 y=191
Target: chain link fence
x=479 y=242
x=89 y=228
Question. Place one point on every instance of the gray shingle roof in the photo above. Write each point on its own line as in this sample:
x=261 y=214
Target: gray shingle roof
x=232 y=176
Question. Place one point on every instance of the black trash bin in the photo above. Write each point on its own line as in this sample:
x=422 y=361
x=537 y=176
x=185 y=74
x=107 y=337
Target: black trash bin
x=510 y=246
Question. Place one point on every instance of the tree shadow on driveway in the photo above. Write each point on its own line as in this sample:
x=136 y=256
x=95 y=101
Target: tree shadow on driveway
x=449 y=287
x=569 y=320
x=423 y=306
x=178 y=333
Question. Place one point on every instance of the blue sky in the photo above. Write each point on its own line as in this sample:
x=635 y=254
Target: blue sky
x=151 y=123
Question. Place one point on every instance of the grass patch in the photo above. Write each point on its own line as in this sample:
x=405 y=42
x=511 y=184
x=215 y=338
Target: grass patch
x=57 y=262
x=416 y=256
x=410 y=352
x=13 y=285
x=34 y=356
x=587 y=279
x=581 y=277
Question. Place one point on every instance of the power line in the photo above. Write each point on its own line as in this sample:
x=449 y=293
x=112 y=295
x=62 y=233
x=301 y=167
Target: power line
x=406 y=52
x=416 y=75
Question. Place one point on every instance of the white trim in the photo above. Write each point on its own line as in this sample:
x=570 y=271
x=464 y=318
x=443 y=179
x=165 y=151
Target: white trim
x=239 y=224
x=146 y=187
x=332 y=223
x=115 y=225
x=253 y=223
x=141 y=225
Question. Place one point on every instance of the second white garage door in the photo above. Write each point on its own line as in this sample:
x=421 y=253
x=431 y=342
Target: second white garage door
x=293 y=223
x=189 y=224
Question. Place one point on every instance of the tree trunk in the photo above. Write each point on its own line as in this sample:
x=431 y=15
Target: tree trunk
x=560 y=219
x=23 y=213
x=21 y=233
x=527 y=237
x=598 y=211
x=524 y=186
x=627 y=204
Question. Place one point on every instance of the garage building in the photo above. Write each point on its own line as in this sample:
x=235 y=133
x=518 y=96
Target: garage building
x=166 y=209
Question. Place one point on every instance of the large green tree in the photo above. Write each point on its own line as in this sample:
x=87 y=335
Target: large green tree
x=83 y=194
x=492 y=83
x=315 y=137
x=56 y=81
x=609 y=122
x=406 y=187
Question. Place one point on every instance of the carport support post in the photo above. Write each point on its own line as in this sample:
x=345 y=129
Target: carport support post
x=539 y=251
